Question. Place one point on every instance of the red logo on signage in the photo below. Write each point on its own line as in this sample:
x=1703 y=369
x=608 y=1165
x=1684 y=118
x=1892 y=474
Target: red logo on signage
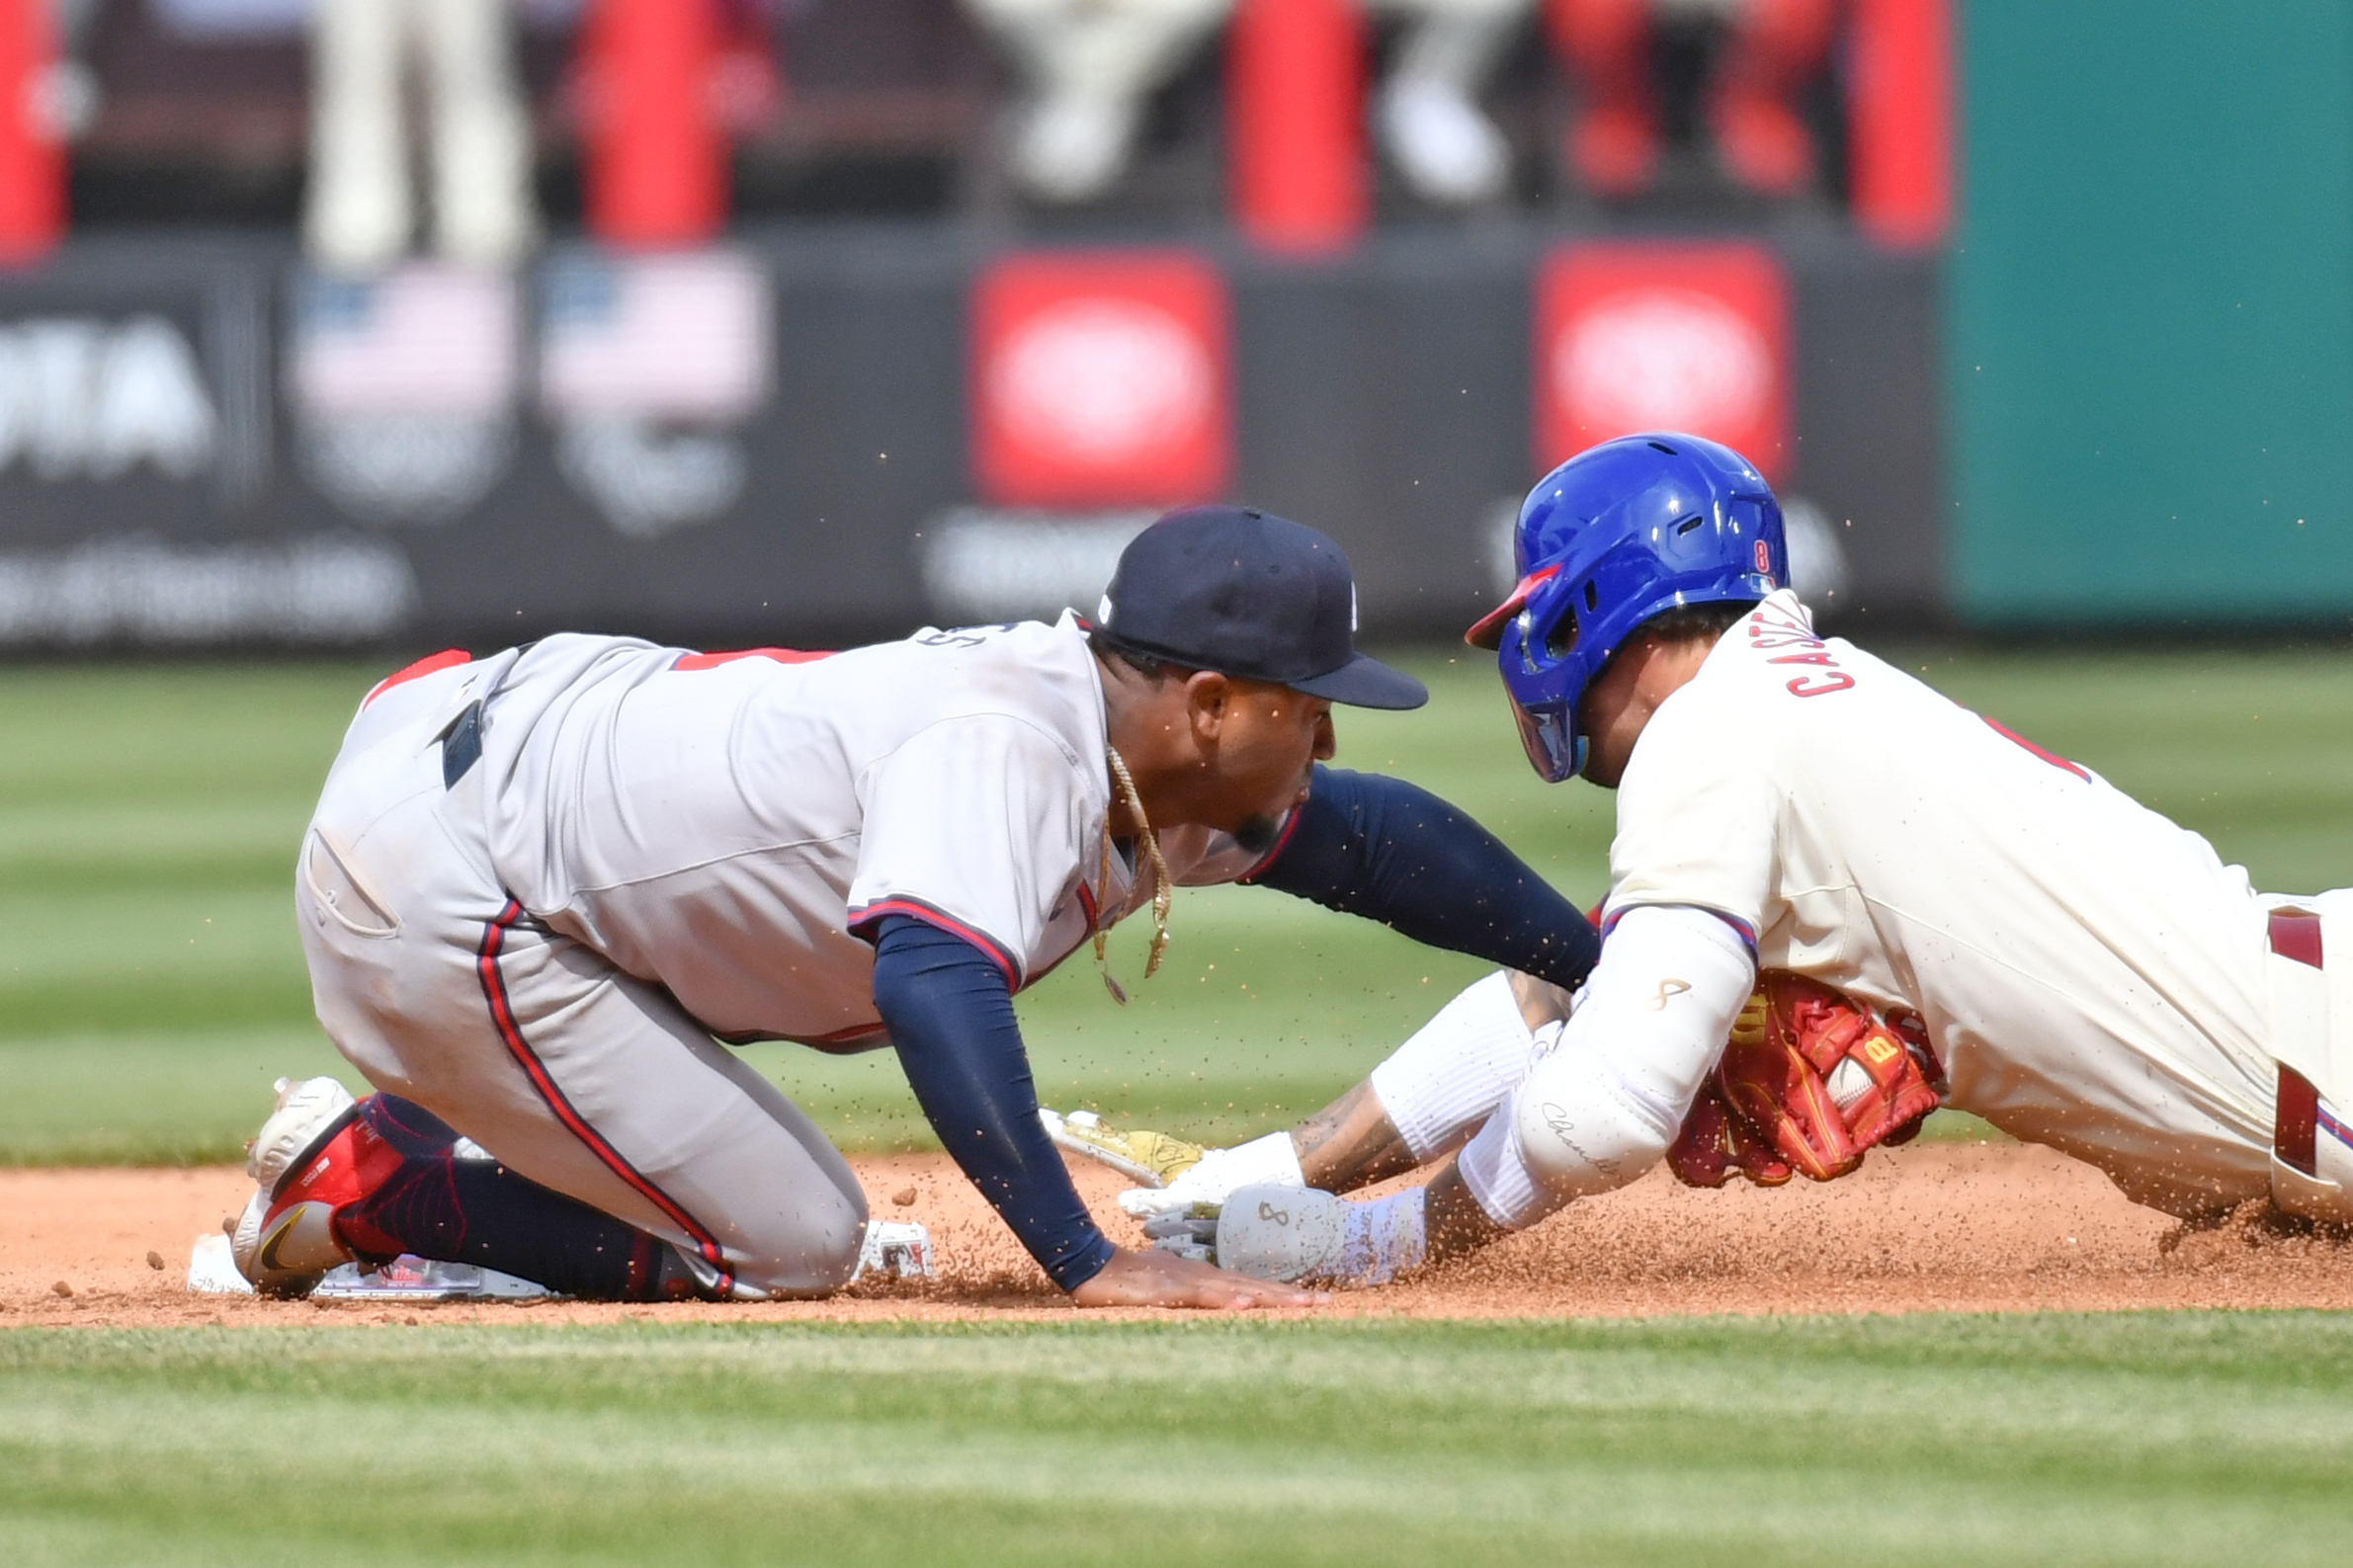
x=1662 y=337
x=1101 y=380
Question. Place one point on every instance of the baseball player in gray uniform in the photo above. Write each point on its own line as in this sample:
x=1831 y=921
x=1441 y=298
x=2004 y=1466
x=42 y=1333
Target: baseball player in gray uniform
x=546 y=889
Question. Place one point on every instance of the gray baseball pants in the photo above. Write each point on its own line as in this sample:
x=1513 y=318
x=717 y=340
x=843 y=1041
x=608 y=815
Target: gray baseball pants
x=441 y=989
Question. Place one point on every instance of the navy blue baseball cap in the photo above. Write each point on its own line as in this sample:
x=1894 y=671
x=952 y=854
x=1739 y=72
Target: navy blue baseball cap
x=1247 y=593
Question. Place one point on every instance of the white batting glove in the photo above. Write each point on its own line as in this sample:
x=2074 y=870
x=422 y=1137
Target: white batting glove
x=1292 y=1234
x=1269 y=1161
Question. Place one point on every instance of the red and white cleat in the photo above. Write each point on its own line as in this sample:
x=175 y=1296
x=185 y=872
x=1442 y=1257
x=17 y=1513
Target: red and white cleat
x=312 y=1157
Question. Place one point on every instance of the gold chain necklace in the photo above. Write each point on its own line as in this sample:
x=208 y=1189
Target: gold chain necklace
x=1160 y=883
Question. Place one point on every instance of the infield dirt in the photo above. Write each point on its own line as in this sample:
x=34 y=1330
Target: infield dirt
x=1940 y=1227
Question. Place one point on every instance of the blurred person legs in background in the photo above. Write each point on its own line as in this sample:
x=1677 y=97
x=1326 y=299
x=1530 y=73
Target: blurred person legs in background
x=1087 y=66
x=360 y=212
x=68 y=100
x=1769 y=50
x=1427 y=112
x=1775 y=47
x=1605 y=46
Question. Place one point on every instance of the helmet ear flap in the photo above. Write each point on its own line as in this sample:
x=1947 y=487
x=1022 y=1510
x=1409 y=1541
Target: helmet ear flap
x=1549 y=736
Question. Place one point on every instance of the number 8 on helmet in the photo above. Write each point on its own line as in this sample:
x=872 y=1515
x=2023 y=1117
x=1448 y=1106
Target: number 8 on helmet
x=1619 y=534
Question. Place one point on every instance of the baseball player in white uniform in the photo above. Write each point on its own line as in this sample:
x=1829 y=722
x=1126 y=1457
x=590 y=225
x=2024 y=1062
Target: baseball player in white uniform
x=543 y=887
x=2082 y=973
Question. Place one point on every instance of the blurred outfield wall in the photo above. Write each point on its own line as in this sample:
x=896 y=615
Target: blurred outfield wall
x=2122 y=397
x=2150 y=364
x=823 y=433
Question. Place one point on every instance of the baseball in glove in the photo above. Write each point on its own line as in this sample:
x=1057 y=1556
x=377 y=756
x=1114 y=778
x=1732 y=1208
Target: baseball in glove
x=1809 y=1084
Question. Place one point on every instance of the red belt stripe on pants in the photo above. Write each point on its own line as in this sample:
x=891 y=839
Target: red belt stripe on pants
x=502 y=1014
x=2295 y=1123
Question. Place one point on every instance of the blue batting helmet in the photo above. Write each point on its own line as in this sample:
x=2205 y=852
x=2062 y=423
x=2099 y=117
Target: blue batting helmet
x=1619 y=534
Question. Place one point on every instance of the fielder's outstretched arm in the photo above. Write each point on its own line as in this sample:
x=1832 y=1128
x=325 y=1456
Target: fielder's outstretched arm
x=951 y=1018
x=1389 y=851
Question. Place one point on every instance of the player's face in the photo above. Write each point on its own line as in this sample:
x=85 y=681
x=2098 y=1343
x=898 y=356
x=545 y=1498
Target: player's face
x=1619 y=703
x=1266 y=744
x=1610 y=721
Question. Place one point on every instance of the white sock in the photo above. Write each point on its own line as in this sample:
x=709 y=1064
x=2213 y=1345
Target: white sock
x=1383 y=1238
x=1456 y=1069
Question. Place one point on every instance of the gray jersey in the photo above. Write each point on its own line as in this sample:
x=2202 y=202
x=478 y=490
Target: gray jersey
x=726 y=824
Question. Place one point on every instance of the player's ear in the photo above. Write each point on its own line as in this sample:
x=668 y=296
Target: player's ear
x=1209 y=695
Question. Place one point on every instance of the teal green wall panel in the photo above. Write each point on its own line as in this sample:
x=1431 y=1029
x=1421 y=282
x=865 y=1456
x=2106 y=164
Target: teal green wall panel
x=2149 y=313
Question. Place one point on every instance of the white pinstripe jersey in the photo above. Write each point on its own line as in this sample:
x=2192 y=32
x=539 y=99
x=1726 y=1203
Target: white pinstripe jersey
x=2090 y=974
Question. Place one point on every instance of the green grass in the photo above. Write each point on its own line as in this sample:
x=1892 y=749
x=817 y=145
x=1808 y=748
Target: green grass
x=151 y=984
x=2142 y=1439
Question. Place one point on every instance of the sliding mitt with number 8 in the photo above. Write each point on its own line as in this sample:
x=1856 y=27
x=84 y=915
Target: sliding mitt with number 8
x=1809 y=1084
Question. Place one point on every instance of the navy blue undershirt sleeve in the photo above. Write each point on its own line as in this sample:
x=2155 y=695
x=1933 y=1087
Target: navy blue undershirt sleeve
x=1391 y=852
x=951 y=1018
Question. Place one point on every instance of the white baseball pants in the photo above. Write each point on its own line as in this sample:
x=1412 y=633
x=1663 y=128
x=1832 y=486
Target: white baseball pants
x=360 y=210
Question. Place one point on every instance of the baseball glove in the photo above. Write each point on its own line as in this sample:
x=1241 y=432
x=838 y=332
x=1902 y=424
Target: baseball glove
x=1809 y=1084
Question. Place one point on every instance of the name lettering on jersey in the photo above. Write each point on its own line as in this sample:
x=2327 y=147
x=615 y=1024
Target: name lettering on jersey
x=1666 y=989
x=1769 y=630
x=962 y=636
